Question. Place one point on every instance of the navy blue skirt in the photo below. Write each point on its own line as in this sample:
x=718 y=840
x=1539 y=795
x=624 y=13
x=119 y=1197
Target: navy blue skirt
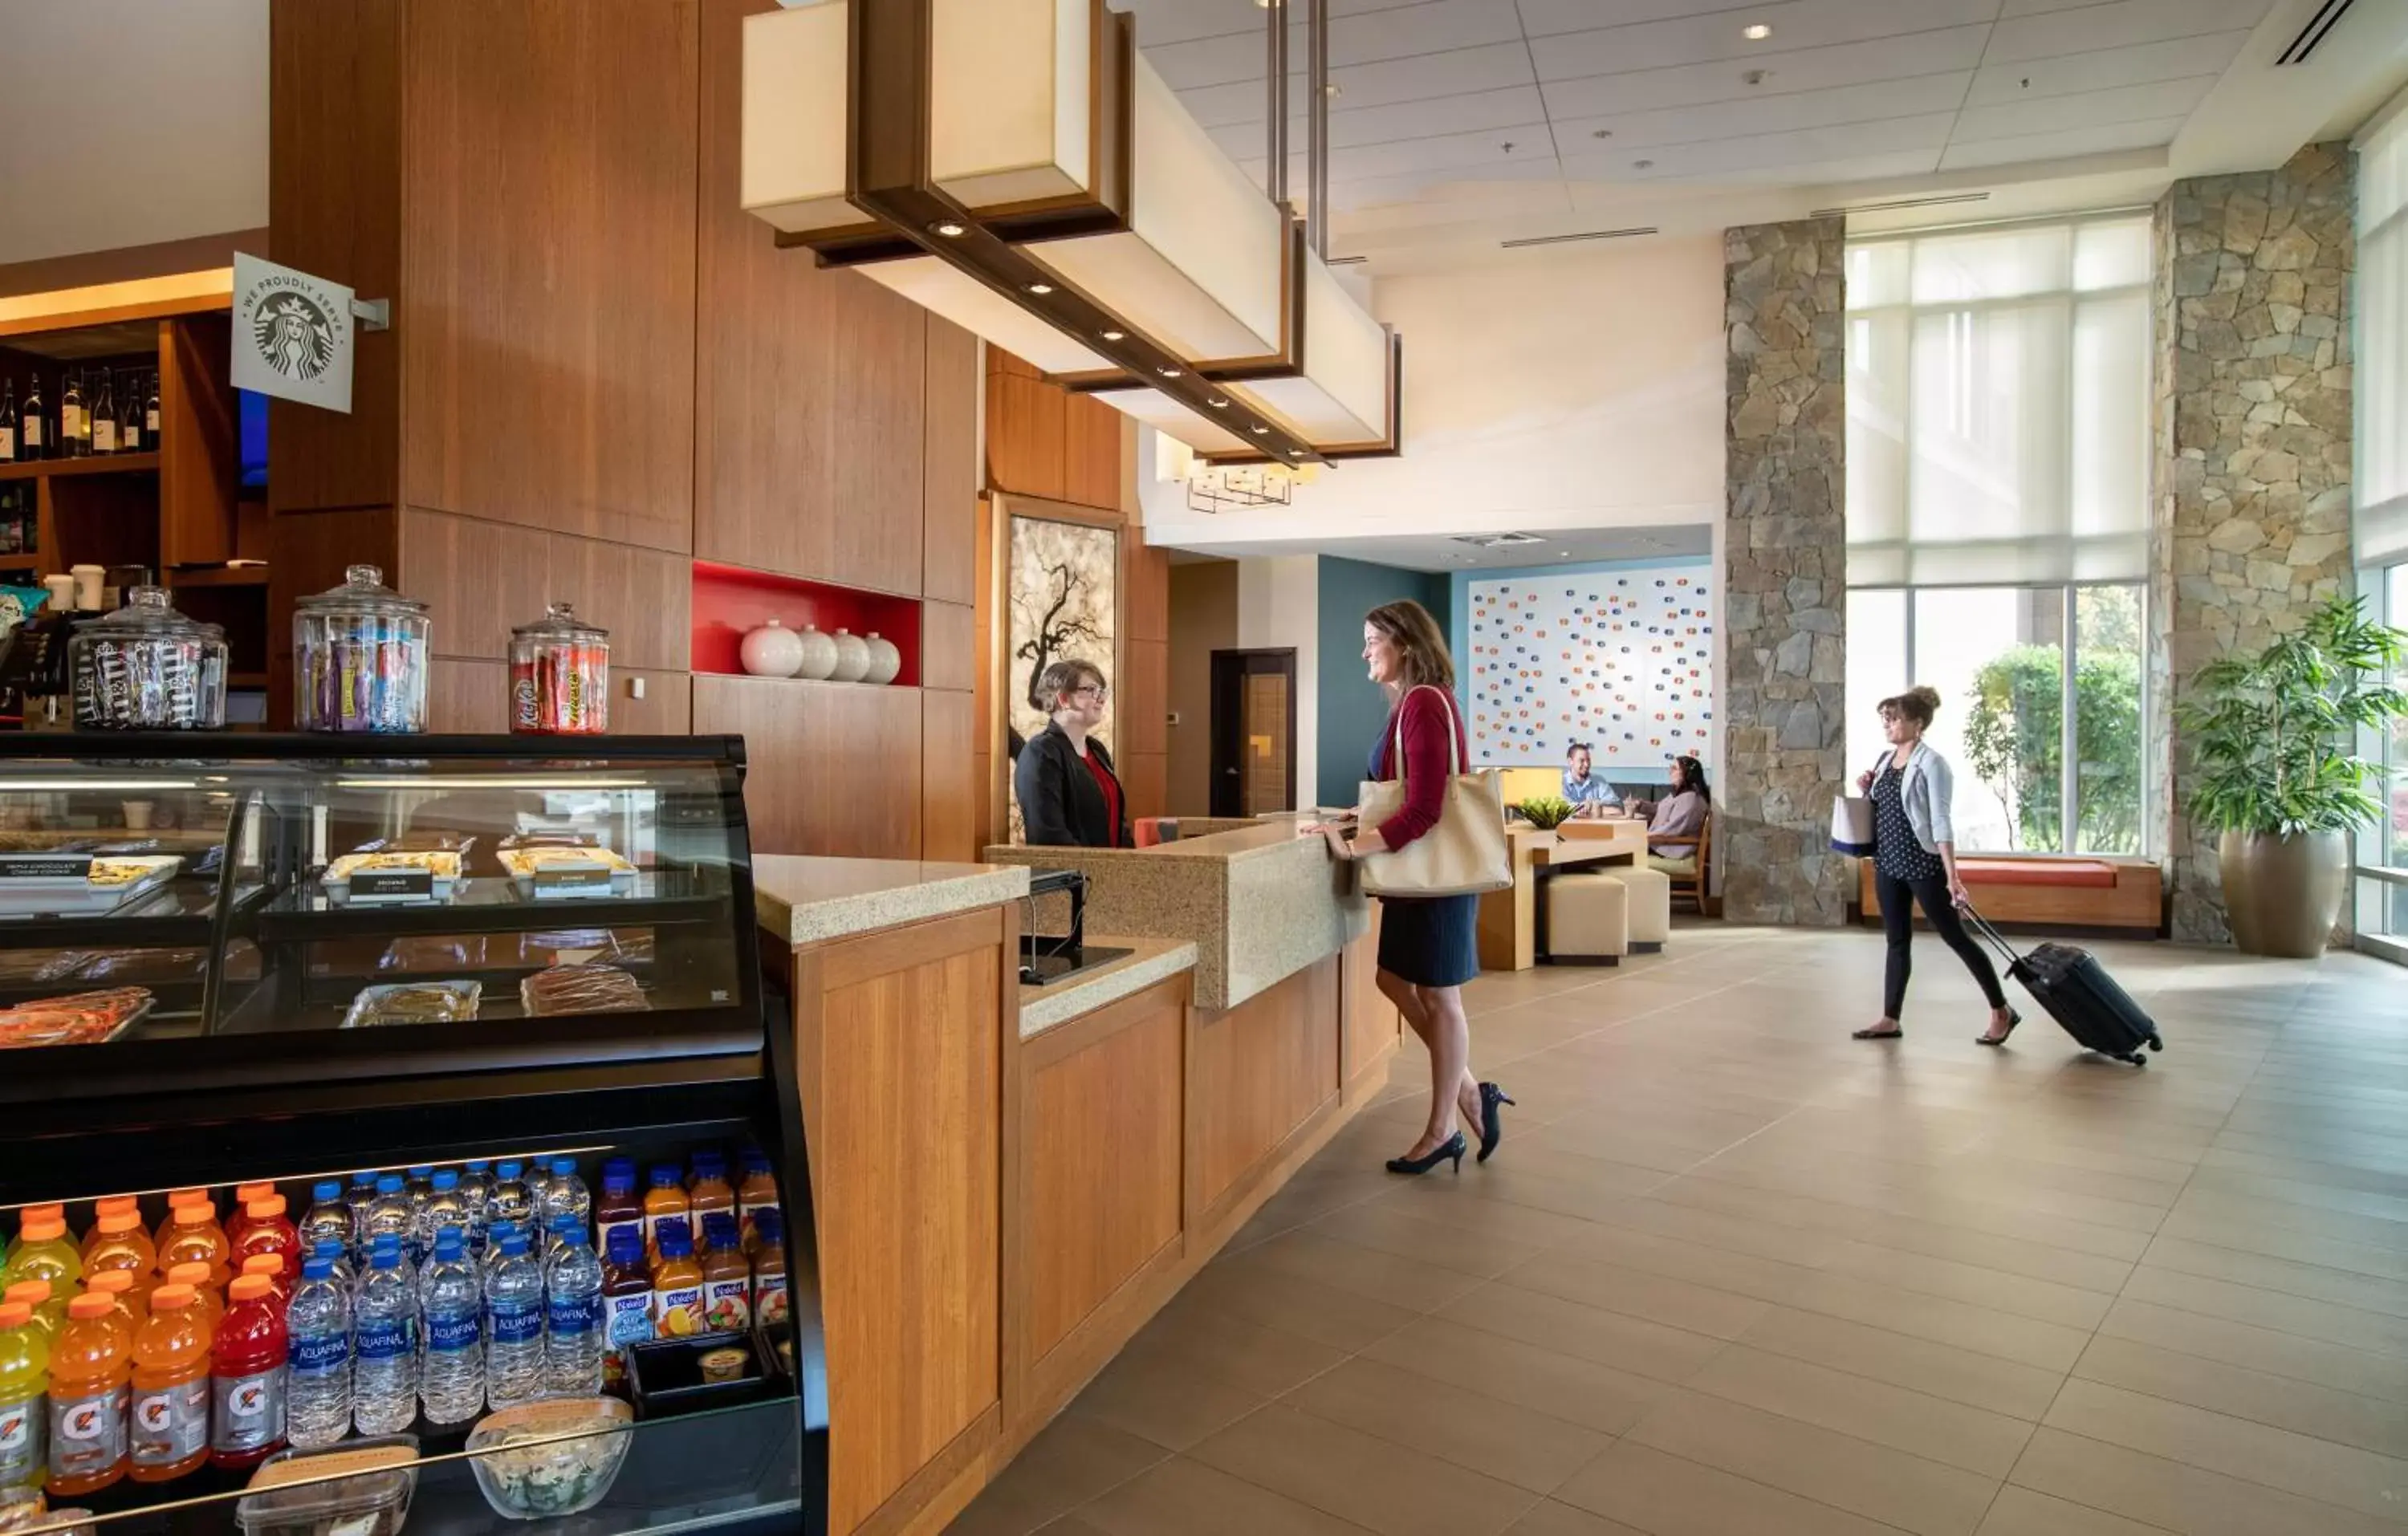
x=1432 y=941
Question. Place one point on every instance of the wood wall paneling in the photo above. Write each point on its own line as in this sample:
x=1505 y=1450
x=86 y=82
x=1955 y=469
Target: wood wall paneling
x=643 y=598
x=198 y=454
x=950 y=482
x=1091 y=453
x=472 y=695
x=948 y=776
x=1145 y=582
x=1101 y=1171
x=482 y=579
x=1146 y=779
x=835 y=767
x=334 y=202
x=1371 y=1020
x=899 y=1048
x=814 y=433
x=1261 y=1071
x=1140 y=696
x=547 y=315
x=948 y=645
x=1024 y=436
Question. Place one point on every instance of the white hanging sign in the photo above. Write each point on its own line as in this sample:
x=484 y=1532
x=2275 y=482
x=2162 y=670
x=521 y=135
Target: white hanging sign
x=292 y=335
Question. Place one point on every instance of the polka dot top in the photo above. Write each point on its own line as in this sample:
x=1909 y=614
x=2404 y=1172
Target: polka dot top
x=1896 y=854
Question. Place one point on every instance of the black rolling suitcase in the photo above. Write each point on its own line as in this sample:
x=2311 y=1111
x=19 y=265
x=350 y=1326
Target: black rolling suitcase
x=2079 y=995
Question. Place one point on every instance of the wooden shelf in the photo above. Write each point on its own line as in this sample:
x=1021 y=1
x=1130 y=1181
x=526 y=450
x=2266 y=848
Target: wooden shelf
x=102 y=463
x=246 y=679
x=214 y=576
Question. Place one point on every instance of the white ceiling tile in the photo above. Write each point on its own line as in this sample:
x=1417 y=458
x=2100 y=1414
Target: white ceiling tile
x=1765 y=114
x=2209 y=53
x=1460 y=72
x=2119 y=24
x=2089 y=110
x=1795 y=24
x=1160 y=22
x=1544 y=17
x=1737 y=157
x=2148 y=135
x=1476 y=152
x=1819 y=173
x=1531 y=187
x=1434 y=26
x=1804 y=69
x=1424 y=119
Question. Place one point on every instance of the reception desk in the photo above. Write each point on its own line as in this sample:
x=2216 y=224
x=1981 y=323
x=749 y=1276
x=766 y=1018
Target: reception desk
x=1009 y=1178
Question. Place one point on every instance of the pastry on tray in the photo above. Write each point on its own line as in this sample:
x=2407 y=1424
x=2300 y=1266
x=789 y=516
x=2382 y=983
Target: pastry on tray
x=110 y=872
x=581 y=989
x=414 y=1002
x=528 y=862
x=81 y=1018
x=440 y=863
x=435 y=951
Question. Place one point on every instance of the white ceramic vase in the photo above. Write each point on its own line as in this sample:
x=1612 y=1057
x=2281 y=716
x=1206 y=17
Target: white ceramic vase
x=885 y=661
x=772 y=651
x=818 y=654
x=852 y=658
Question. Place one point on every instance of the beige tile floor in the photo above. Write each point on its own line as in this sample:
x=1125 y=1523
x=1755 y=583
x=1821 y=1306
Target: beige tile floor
x=1735 y=1274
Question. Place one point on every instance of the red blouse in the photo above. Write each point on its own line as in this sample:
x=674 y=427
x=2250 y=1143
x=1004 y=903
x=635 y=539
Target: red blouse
x=1428 y=764
x=1112 y=788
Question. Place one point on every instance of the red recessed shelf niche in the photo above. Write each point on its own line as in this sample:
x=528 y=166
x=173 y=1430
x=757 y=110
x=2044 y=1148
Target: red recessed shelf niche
x=730 y=600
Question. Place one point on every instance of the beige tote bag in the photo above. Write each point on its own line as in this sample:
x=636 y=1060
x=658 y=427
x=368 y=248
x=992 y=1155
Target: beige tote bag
x=1463 y=855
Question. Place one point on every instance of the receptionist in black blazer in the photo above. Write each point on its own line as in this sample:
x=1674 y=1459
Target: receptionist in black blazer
x=1069 y=795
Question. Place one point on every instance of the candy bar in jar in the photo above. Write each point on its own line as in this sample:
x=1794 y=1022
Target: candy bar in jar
x=148 y=668
x=359 y=658
x=560 y=676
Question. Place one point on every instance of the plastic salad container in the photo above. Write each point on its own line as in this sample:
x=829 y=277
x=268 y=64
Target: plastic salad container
x=532 y=1463
x=374 y=1500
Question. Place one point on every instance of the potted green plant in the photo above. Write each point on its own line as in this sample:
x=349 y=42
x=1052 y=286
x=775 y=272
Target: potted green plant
x=2273 y=742
x=1545 y=811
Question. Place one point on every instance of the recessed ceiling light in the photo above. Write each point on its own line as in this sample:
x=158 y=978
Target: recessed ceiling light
x=949 y=229
x=1262 y=432
x=1642 y=164
x=1167 y=373
x=1333 y=89
x=1116 y=336
x=1600 y=133
x=1217 y=403
x=1041 y=289
x=1756 y=32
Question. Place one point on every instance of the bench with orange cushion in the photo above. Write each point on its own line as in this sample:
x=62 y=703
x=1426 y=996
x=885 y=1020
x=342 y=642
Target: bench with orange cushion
x=2109 y=892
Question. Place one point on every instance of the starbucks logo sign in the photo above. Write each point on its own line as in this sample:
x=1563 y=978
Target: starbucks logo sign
x=292 y=334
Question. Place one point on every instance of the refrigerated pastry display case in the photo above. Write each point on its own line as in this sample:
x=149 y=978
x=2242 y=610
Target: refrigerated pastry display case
x=227 y=959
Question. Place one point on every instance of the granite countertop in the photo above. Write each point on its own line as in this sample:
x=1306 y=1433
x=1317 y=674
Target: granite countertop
x=1042 y=1008
x=805 y=900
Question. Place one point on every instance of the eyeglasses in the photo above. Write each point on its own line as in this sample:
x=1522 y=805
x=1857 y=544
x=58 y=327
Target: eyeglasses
x=1097 y=690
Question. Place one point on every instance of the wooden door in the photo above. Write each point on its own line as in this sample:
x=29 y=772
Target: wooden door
x=1254 y=732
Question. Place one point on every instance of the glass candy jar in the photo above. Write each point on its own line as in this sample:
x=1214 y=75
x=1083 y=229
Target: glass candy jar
x=560 y=676
x=148 y=668
x=360 y=657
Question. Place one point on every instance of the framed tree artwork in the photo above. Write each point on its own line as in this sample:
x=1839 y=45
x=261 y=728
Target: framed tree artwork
x=1062 y=592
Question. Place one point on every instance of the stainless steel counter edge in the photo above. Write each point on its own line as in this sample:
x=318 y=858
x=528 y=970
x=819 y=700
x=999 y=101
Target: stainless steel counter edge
x=801 y=900
x=1042 y=1008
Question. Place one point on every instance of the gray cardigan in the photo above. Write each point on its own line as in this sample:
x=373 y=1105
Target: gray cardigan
x=1926 y=789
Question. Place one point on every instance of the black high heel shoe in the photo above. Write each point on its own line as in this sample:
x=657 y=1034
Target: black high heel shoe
x=1492 y=1124
x=1450 y=1150
x=2013 y=1018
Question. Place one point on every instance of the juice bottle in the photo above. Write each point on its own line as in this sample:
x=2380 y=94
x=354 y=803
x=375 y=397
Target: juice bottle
x=618 y=1207
x=44 y=1253
x=665 y=1200
x=272 y=1265
x=193 y=1236
x=101 y=1211
x=48 y=1304
x=118 y=1241
x=239 y=1218
x=247 y=1376
x=24 y=1405
x=118 y=1286
x=208 y=1303
x=266 y=1229
x=727 y=1276
x=626 y=1301
x=169 y=1429
x=710 y=1194
x=89 y=1375
x=677 y=1284
x=770 y=1302
x=177 y=1200
x=756 y=1194
x=30 y=1214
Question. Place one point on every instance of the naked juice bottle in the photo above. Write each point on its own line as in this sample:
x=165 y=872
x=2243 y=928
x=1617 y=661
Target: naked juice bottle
x=169 y=1429
x=756 y=1194
x=665 y=1200
x=618 y=1206
x=677 y=1284
x=709 y=1195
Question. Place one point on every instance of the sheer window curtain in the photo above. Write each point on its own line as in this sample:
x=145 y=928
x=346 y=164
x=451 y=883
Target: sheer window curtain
x=2382 y=376
x=1998 y=405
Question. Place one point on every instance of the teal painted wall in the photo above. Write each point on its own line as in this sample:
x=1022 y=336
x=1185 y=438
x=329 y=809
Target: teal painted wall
x=1352 y=710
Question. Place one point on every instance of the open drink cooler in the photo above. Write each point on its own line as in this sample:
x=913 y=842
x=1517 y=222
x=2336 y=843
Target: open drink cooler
x=241 y=1066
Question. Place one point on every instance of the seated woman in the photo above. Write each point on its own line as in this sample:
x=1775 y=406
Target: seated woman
x=1674 y=822
x=1069 y=795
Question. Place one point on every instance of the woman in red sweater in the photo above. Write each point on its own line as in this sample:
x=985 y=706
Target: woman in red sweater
x=1429 y=946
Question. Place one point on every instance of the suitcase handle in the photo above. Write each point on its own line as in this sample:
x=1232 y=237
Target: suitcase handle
x=1998 y=941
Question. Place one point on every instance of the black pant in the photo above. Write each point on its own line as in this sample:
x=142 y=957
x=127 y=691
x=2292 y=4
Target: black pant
x=1898 y=921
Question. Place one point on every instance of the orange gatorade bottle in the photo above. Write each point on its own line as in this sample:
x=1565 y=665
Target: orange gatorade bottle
x=168 y=1434
x=101 y=1211
x=177 y=1200
x=118 y=1286
x=90 y=1371
x=118 y=1241
x=209 y=1301
x=193 y=1236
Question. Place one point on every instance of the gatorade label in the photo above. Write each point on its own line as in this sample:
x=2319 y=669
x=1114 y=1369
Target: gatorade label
x=449 y=1335
x=518 y=1323
x=574 y=1314
x=677 y=1313
x=769 y=1303
x=247 y=1412
x=383 y=1338
x=727 y=1305
x=171 y=1425
x=24 y=1440
x=87 y=1434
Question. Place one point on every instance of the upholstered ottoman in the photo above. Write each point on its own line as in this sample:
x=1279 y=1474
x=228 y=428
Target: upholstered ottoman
x=1649 y=906
x=1588 y=918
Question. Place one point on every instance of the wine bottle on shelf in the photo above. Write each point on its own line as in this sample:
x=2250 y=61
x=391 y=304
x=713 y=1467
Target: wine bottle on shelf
x=104 y=414
x=75 y=434
x=32 y=434
x=7 y=420
x=130 y=438
x=150 y=413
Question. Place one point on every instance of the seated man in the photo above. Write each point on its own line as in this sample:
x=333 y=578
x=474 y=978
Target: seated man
x=1589 y=797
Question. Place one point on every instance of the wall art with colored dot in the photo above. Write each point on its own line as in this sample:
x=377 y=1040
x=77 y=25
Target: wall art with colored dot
x=1621 y=659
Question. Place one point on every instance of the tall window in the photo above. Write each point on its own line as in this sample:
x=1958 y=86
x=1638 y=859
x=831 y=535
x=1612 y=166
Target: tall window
x=1998 y=518
x=2381 y=524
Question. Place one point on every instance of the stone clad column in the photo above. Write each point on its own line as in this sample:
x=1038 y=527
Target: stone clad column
x=1784 y=554
x=2252 y=453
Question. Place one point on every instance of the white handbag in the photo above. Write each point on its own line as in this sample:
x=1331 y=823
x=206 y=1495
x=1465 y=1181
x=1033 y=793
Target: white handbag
x=1464 y=853
x=1852 y=825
